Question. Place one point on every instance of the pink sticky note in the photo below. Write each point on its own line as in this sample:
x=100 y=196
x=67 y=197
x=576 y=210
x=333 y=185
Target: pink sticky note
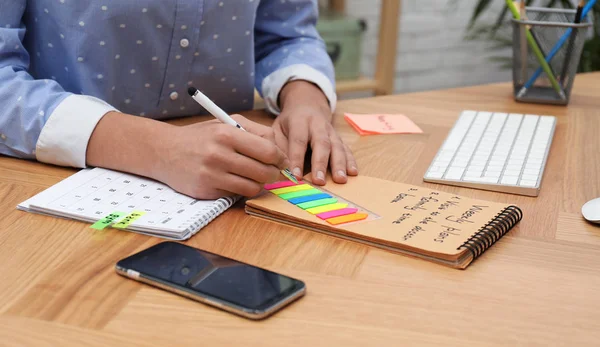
x=337 y=213
x=281 y=184
x=368 y=124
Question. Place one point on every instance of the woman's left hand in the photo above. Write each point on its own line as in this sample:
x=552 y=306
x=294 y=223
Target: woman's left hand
x=305 y=120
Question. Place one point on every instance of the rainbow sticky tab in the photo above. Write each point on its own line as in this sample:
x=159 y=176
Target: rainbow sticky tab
x=326 y=208
x=288 y=196
x=130 y=218
x=347 y=218
x=308 y=198
x=281 y=184
x=316 y=203
x=291 y=189
x=337 y=213
x=108 y=220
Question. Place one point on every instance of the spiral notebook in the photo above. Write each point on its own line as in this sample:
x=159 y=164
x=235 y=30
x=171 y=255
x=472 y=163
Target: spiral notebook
x=139 y=204
x=440 y=227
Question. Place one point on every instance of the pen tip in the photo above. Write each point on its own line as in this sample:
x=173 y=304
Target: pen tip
x=192 y=91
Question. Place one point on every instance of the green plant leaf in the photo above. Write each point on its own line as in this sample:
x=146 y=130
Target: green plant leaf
x=479 y=9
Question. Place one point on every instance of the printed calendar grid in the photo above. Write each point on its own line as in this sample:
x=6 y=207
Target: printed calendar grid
x=113 y=191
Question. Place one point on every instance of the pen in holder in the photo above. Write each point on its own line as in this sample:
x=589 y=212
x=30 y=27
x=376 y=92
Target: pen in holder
x=547 y=46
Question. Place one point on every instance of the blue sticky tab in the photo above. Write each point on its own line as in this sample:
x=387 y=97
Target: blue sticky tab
x=308 y=198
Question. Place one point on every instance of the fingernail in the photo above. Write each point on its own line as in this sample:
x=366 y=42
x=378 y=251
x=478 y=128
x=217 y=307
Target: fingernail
x=297 y=172
x=320 y=175
x=341 y=173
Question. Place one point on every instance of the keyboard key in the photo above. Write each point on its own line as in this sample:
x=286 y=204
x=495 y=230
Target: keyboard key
x=529 y=177
x=490 y=180
x=454 y=173
x=530 y=172
x=512 y=180
x=435 y=175
x=516 y=173
x=526 y=183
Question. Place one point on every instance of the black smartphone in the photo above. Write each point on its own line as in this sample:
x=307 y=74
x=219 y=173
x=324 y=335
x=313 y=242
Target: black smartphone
x=230 y=285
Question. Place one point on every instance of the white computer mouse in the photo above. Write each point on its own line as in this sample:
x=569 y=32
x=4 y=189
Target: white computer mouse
x=591 y=210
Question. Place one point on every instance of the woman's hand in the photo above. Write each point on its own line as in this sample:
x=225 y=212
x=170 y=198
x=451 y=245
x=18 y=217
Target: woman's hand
x=305 y=120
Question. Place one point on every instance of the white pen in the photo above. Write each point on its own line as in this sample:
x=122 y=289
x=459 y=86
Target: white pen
x=221 y=115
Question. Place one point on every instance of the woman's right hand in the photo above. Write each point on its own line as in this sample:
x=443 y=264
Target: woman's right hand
x=210 y=159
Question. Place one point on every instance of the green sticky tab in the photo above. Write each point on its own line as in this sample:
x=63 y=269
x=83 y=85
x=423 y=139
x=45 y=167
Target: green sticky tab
x=130 y=218
x=292 y=195
x=317 y=203
x=108 y=220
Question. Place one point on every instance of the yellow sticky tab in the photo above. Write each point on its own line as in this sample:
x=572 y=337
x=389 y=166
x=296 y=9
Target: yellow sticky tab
x=347 y=218
x=130 y=218
x=291 y=189
x=326 y=208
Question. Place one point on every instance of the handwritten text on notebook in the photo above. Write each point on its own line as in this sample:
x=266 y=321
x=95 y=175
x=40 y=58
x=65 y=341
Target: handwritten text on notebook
x=441 y=218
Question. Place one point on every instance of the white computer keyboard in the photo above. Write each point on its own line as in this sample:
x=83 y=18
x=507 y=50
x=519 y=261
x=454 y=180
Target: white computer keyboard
x=495 y=151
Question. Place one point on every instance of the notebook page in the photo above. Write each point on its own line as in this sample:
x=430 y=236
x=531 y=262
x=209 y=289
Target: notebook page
x=91 y=194
x=411 y=216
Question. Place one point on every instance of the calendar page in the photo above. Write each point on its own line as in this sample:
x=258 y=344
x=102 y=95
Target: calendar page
x=92 y=194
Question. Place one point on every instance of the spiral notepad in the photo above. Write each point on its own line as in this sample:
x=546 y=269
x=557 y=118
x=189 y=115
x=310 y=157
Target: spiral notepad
x=137 y=204
x=440 y=227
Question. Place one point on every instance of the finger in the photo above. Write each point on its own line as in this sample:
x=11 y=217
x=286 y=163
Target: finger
x=252 y=146
x=262 y=150
x=239 y=185
x=352 y=167
x=280 y=139
x=255 y=128
x=252 y=169
x=321 y=150
x=297 y=144
x=338 y=159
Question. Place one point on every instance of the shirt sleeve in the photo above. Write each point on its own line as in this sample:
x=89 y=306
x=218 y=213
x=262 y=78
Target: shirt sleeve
x=288 y=47
x=38 y=118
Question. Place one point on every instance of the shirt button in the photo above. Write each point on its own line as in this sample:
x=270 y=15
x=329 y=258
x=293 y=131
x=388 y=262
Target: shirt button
x=174 y=96
x=184 y=43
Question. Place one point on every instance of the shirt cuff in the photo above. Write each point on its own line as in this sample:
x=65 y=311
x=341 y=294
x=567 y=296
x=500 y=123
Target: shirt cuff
x=64 y=138
x=273 y=84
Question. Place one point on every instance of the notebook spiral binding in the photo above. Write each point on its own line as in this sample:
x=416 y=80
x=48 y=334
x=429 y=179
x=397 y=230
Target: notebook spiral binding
x=493 y=231
x=223 y=204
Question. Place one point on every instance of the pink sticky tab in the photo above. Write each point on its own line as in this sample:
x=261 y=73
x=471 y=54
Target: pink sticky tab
x=337 y=213
x=281 y=184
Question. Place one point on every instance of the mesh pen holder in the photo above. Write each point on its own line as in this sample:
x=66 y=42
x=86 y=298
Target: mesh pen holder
x=560 y=42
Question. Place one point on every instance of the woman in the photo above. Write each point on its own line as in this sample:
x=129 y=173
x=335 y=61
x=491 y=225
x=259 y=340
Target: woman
x=84 y=83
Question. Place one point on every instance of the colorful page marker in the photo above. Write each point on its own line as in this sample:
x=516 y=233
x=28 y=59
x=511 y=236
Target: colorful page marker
x=281 y=184
x=317 y=203
x=130 y=218
x=371 y=124
x=347 y=218
x=337 y=213
x=292 y=195
x=326 y=208
x=108 y=220
x=291 y=189
x=314 y=201
x=301 y=199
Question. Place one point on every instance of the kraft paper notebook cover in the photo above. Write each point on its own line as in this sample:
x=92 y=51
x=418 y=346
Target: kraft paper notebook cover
x=436 y=226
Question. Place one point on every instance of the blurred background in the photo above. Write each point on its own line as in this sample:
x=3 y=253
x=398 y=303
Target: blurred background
x=425 y=44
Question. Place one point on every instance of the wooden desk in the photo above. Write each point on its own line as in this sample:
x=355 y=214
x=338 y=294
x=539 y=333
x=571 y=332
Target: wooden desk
x=540 y=285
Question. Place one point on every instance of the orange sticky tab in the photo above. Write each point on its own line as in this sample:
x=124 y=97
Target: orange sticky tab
x=368 y=124
x=347 y=218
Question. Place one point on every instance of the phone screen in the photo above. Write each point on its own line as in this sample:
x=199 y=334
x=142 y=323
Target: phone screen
x=214 y=275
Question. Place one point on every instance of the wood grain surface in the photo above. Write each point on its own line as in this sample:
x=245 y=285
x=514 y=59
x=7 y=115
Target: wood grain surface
x=538 y=286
